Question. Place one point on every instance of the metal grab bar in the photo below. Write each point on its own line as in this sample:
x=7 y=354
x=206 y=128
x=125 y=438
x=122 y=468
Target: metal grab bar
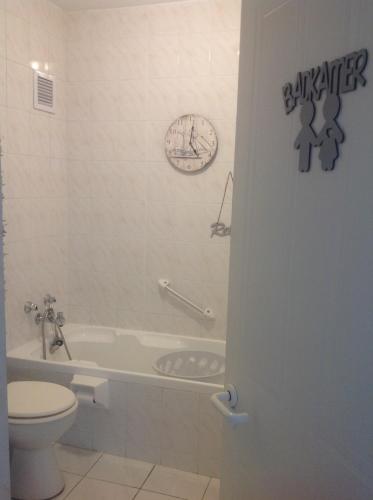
x=207 y=312
x=230 y=397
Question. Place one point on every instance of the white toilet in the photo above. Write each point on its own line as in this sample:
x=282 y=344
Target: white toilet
x=38 y=414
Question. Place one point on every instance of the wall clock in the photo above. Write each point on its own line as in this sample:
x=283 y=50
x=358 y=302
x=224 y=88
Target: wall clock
x=191 y=143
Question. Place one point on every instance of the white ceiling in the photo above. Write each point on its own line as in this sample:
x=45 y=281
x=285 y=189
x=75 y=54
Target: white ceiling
x=101 y=4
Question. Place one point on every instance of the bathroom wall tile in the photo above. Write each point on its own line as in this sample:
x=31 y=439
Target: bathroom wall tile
x=197 y=16
x=103 y=60
x=183 y=461
x=40 y=136
x=166 y=19
x=16 y=181
x=225 y=53
x=3 y=81
x=17 y=39
x=36 y=182
x=195 y=55
x=18 y=131
x=136 y=451
x=134 y=21
x=78 y=60
x=79 y=144
x=78 y=178
x=163 y=99
x=78 y=101
x=78 y=25
x=105 y=25
x=104 y=139
x=57 y=21
x=131 y=180
x=57 y=62
x=58 y=138
x=104 y=101
x=38 y=47
x=133 y=57
x=19 y=8
x=185 y=188
x=132 y=141
x=109 y=430
x=39 y=13
x=19 y=86
x=225 y=15
x=2 y=32
x=152 y=220
x=164 y=56
x=134 y=102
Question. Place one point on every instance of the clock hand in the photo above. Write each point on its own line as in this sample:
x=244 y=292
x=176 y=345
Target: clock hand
x=190 y=141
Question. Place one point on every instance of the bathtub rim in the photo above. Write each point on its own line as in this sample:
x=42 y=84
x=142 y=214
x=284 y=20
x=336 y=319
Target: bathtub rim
x=20 y=358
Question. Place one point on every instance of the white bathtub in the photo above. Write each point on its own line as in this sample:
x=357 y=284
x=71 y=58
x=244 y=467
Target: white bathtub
x=151 y=417
x=117 y=354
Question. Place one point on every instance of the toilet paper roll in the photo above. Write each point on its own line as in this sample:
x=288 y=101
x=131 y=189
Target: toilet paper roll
x=85 y=399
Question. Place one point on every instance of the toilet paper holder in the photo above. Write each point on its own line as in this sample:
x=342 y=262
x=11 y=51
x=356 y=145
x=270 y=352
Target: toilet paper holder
x=91 y=391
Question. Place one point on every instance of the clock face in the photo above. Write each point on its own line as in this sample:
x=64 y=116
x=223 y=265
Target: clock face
x=191 y=143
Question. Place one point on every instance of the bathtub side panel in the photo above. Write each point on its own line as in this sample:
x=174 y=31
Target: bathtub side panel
x=175 y=428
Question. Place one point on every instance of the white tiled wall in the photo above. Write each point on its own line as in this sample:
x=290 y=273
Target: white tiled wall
x=95 y=213
x=34 y=168
x=132 y=218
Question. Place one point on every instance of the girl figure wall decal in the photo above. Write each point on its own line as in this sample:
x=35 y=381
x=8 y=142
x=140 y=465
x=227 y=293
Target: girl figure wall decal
x=331 y=134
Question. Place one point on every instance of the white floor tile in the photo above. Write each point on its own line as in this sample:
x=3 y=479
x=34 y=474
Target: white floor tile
x=177 y=483
x=71 y=480
x=213 y=489
x=75 y=460
x=121 y=470
x=150 y=495
x=91 y=489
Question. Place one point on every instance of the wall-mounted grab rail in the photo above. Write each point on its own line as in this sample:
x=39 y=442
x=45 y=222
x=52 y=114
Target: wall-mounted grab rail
x=165 y=284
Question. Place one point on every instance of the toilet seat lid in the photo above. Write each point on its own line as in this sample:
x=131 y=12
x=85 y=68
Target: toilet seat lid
x=31 y=399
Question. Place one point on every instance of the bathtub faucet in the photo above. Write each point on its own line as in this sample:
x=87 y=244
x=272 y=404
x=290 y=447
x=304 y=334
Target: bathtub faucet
x=49 y=316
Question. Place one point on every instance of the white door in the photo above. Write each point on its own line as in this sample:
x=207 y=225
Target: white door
x=300 y=341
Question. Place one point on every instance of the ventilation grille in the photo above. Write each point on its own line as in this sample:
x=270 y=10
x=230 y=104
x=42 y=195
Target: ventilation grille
x=44 y=92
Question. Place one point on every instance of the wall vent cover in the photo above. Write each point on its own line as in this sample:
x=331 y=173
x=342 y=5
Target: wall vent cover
x=44 y=92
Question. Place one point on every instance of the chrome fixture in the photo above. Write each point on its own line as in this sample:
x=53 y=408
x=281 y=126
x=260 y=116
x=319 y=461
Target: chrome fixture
x=207 y=311
x=49 y=316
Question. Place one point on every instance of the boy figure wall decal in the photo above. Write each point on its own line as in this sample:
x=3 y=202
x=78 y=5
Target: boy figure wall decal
x=306 y=138
x=331 y=134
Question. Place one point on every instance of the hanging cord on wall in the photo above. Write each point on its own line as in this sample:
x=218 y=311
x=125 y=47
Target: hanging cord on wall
x=219 y=228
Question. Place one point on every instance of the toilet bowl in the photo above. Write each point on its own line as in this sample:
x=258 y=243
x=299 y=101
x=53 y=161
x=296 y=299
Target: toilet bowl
x=39 y=413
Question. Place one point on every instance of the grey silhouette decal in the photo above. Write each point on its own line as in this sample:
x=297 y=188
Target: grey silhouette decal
x=331 y=134
x=329 y=79
x=306 y=137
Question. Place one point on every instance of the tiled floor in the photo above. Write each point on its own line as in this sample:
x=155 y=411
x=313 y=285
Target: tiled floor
x=91 y=475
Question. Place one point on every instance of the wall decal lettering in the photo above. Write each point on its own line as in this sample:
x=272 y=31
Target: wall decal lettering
x=330 y=79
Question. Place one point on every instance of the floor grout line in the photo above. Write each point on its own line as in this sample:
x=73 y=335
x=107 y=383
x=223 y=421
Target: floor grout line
x=99 y=457
x=164 y=494
x=142 y=484
x=207 y=487
x=73 y=488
